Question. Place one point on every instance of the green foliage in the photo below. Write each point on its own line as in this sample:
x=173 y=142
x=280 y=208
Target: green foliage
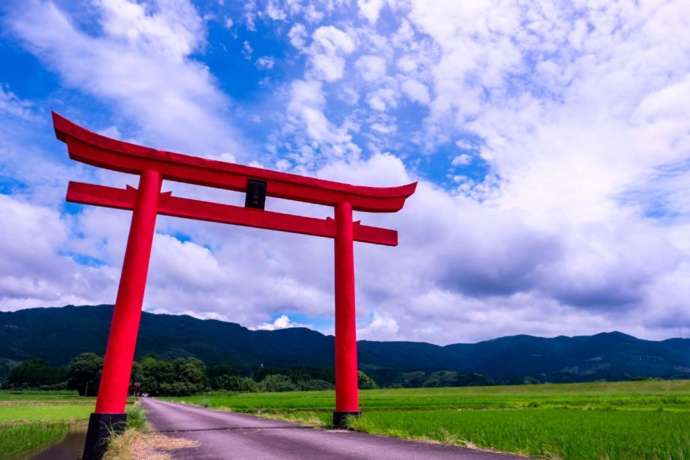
x=277 y=382
x=35 y=373
x=182 y=376
x=136 y=417
x=592 y=421
x=365 y=382
x=20 y=439
x=31 y=420
x=64 y=332
x=6 y=366
x=236 y=383
x=314 y=384
x=84 y=374
x=562 y=433
x=219 y=376
x=34 y=410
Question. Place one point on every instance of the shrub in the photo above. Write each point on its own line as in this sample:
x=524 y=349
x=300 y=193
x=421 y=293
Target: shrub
x=277 y=382
x=365 y=382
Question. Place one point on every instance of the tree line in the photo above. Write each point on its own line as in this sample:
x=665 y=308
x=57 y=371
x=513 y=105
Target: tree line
x=188 y=375
x=171 y=377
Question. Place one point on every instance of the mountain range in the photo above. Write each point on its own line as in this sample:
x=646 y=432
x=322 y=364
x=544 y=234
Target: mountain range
x=56 y=335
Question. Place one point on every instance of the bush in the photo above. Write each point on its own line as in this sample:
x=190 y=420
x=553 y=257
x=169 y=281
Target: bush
x=235 y=383
x=315 y=384
x=365 y=382
x=136 y=418
x=277 y=382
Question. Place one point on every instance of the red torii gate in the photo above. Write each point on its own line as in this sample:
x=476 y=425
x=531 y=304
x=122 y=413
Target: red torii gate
x=146 y=202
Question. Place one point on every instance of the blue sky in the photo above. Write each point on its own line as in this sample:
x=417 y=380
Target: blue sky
x=550 y=142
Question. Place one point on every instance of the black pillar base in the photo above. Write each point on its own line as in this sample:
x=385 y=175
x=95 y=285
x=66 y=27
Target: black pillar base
x=340 y=418
x=101 y=427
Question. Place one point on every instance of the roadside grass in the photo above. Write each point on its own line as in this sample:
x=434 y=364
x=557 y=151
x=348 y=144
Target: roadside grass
x=33 y=420
x=30 y=421
x=19 y=439
x=620 y=420
x=137 y=443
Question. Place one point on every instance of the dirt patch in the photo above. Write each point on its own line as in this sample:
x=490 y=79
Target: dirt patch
x=134 y=445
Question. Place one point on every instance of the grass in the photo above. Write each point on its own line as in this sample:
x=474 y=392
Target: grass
x=135 y=443
x=32 y=420
x=19 y=439
x=626 y=420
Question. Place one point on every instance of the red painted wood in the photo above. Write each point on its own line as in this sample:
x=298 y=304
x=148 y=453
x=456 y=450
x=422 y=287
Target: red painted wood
x=117 y=365
x=346 y=391
x=169 y=205
x=89 y=147
x=153 y=166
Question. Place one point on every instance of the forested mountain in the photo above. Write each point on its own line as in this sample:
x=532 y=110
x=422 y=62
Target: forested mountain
x=56 y=335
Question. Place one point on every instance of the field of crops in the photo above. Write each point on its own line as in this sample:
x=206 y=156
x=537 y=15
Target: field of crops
x=630 y=420
x=32 y=420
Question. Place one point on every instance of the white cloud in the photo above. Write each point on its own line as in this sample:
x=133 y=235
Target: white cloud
x=461 y=160
x=34 y=271
x=174 y=29
x=305 y=110
x=372 y=68
x=265 y=62
x=274 y=12
x=329 y=46
x=282 y=322
x=297 y=36
x=382 y=99
x=416 y=91
x=140 y=64
x=10 y=104
x=579 y=226
x=380 y=328
x=370 y=9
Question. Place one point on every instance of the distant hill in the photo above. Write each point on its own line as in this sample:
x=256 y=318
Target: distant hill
x=58 y=334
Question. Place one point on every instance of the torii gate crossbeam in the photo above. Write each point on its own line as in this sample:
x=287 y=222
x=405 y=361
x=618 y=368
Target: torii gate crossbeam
x=147 y=201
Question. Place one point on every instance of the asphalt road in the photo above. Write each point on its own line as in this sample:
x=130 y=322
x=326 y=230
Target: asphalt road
x=224 y=435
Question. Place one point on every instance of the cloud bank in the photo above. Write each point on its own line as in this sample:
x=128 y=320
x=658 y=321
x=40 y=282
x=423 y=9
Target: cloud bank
x=550 y=142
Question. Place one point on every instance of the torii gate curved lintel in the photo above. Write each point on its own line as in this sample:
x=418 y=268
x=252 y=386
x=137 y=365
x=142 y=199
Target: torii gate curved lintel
x=146 y=202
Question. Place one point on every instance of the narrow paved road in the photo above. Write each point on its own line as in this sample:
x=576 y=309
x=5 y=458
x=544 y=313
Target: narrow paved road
x=225 y=435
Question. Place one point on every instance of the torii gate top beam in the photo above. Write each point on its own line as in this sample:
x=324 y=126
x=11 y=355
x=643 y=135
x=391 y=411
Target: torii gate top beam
x=88 y=147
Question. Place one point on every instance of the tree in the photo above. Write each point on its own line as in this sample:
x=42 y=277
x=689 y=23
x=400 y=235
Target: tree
x=442 y=379
x=277 y=382
x=413 y=379
x=191 y=371
x=235 y=383
x=365 y=382
x=219 y=376
x=180 y=377
x=154 y=373
x=84 y=374
x=35 y=373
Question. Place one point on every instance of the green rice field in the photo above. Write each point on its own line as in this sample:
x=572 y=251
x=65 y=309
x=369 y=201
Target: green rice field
x=30 y=421
x=627 y=420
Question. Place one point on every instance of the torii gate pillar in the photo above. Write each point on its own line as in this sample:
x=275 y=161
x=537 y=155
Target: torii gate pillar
x=119 y=355
x=346 y=390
